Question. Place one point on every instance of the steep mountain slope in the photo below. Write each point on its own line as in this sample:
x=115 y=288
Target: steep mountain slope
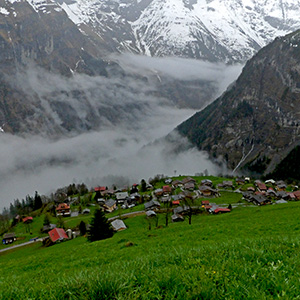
x=215 y=30
x=55 y=80
x=256 y=122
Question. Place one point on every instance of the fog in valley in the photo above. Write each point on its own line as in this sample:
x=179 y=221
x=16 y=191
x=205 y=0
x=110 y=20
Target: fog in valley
x=120 y=152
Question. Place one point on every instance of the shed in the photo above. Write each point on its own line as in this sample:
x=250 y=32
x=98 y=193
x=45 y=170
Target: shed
x=9 y=238
x=153 y=204
x=118 y=225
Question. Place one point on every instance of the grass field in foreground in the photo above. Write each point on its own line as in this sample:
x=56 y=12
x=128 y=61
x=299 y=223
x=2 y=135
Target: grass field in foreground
x=250 y=253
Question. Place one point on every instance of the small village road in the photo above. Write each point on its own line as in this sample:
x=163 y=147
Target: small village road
x=17 y=246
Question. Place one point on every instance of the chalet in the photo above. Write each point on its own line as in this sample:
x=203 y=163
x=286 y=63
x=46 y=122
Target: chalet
x=167 y=190
x=297 y=195
x=74 y=214
x=27 y=220
x=47 y=228
x=221 y=210
x=180 y=210
x=207 y=191
x=187 y=180
x=158 y=192
x=251 y=189
x=261 y=186
x=86 y=211
x=260 y=200
x=227 y=184
x=270 y=181
x=108 y=193
x=177 y=218
x=152 y=205
x=281 y=185
x=292 y=196
x=271 y=193
x=283 y=195
x=63 y=209
x=99 y=190
x=57 y=234
x=110 y=205
x=281 y=201
x=176 y=202
x=149 y=187
x=134 y=198
x=118 y=225
x=205 y=202
x=150 y=213
x=240 y=181
x=168 y=181
x=177 y=183
x=189 y=186
x=178 y=197
x=8 y=238
x=121 y=197
x=206 y=182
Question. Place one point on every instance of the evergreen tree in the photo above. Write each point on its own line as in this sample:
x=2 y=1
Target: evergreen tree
x=46 y=220
x=38 y=203
x=82 y=228
x=143 y=185
x=100 y=227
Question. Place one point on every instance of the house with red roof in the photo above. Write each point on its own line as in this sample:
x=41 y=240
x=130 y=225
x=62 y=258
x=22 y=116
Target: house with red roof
x=57 y=234
x=27 y=220
x=63 y=209
x=167 y=190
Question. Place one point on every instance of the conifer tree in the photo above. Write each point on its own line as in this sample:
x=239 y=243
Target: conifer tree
x=100 y=227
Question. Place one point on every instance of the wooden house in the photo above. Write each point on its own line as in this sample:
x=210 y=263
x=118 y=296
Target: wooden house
x=63 y=209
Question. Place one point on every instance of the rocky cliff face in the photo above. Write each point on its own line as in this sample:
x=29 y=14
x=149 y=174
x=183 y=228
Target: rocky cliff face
x=256 y=122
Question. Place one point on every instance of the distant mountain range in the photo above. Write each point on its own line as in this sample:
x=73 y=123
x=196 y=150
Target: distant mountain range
x=59 y=75
x=214 y=30
x=256 y=122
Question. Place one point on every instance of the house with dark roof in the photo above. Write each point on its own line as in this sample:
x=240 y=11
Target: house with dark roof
x=177 y=218
x=9 y=238
x=152 y=205
x=110 y=205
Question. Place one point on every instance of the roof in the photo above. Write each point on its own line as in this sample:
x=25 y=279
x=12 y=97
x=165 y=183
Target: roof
x=261 y=186
x=121 y=195
x=221 y=210
x=176 y=217
x=62 y=206
x=176 y=202
x=57 y=234
x=100 y=189
x=49 y=227
x=9 y=235
x=188 y=179
x=167 y=189
x=110 y=203
x=118 y=225
x=150 y=213
x=151 y=204
x=27 y=220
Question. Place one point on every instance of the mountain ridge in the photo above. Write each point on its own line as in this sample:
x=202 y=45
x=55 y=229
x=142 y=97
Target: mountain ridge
x=256 y=122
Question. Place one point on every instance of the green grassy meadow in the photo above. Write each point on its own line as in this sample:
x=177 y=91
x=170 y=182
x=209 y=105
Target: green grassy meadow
x=250 y=253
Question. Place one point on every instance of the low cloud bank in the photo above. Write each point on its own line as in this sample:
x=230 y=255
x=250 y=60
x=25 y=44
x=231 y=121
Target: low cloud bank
x=118 y=152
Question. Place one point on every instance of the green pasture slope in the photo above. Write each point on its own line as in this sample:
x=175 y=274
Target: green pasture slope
x=250 y=253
